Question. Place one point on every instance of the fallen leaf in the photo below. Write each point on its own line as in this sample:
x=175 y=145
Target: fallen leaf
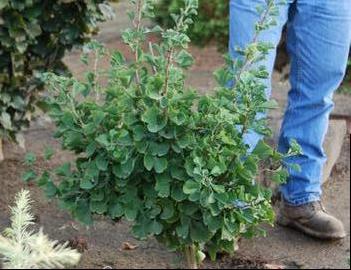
x=79 y=243
x=128 y=246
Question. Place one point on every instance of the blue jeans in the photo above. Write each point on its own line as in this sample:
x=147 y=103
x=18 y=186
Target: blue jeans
x=319 y=35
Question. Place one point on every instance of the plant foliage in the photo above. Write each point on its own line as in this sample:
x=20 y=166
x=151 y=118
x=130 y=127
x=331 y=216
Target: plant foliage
x=154 y=152
x=34 y=35
x=20 y=248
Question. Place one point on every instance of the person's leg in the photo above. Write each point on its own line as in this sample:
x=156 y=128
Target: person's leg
x=319 y=34
x=243 y=17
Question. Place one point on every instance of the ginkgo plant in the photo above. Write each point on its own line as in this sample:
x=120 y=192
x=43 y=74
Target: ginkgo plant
x=21 y=248
x=153 y=151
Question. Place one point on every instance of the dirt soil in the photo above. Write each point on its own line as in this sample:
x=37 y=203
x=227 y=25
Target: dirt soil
x=102 y=244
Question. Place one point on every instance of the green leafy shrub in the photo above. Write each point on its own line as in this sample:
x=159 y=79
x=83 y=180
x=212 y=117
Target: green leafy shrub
x=21 y=248
x=212 y=22
x=154 y=152
x=34 y=35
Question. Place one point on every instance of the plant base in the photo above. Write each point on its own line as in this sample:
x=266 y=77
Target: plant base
x=236 y=244
x=190 y=255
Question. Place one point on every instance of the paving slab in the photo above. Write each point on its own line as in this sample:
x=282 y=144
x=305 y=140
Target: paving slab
x=333 y=145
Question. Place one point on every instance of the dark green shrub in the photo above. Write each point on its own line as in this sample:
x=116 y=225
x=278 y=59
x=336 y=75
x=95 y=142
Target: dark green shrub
x=34 y=35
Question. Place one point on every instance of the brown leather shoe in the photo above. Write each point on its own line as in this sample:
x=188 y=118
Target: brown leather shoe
x=311 y=219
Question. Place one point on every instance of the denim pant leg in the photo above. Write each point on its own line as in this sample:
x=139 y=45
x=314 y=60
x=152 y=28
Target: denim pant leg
x=243 y=17
x=319 y=34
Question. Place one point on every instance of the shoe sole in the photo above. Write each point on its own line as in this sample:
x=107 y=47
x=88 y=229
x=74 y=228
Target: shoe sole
x=286 y=222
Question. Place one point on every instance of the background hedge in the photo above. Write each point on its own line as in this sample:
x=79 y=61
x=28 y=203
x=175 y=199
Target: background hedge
x=34 y=36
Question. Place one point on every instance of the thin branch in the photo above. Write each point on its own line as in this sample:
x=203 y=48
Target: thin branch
x=168 y=64
x=248 y=62
x=170 y=51
x=137 y=24
x=153 y=55
x=96 y=76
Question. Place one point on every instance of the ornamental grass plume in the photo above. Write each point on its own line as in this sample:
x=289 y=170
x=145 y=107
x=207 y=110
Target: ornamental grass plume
x=22 y=248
